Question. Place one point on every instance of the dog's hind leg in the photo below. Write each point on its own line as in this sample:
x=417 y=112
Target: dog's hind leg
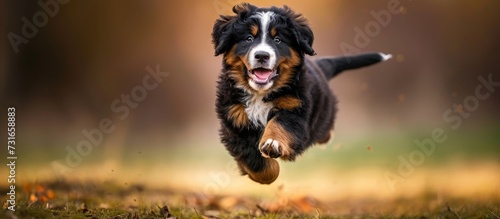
x=266 y=174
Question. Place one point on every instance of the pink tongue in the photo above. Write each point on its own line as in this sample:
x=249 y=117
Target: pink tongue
x=262 y=74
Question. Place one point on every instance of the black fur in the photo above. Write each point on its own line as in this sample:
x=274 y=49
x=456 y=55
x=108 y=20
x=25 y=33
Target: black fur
x=228 y=30
x=303 y=124
x=335 y=65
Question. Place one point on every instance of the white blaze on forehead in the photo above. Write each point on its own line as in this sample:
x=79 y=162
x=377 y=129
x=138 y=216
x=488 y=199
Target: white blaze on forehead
x=265 y=18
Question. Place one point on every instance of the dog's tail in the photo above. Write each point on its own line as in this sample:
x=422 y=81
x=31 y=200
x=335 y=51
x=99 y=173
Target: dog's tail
x=332 y=66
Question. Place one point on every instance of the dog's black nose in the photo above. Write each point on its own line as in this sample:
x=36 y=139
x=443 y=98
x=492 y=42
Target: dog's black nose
x=262 y=56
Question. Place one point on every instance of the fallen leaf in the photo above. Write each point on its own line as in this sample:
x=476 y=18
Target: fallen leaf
x=33 y=198
x=104 y=206
x=228 y=203
x=209 y=217
x=212 y=214
x=50 y=194
x=304 y=203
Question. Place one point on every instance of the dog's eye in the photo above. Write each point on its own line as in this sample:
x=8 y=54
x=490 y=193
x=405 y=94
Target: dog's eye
x=249 y=39
x=277 y=40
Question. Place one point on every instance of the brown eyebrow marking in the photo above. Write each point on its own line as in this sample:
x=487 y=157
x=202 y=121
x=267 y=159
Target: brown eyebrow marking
x=273 y=32
x=254 y=29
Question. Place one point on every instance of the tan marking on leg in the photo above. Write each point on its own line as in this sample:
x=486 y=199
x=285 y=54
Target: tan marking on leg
x=267 y=176
x=278 y=133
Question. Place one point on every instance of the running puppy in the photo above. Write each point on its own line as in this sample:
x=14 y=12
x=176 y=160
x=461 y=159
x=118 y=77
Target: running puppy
x=272 y=102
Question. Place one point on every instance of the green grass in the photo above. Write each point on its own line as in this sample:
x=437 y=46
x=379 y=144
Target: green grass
x=98 y=199
x=400 y=208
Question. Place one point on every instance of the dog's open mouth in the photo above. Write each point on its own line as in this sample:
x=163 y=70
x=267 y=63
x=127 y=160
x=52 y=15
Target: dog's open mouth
x=262 y=76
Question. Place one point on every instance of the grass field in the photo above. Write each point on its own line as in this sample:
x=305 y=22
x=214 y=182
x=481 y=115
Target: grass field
x=136 y=202
x=346 y=179
x=88 y=200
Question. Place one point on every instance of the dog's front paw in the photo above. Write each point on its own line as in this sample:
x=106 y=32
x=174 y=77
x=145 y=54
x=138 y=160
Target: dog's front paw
x=271 y=148
x=276 y=142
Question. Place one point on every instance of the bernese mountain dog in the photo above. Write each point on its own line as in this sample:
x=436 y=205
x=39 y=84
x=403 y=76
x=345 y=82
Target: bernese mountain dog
x=273 y=102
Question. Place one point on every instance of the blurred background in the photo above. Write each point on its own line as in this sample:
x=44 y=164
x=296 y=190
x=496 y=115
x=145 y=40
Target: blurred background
x=85 y=56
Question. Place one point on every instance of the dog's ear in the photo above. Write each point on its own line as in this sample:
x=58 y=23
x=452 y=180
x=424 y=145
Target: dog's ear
x=305 y=39
x=223 y=31
x=301 y=31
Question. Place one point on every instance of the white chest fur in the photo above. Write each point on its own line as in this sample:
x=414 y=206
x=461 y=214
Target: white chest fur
x=257 y=110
